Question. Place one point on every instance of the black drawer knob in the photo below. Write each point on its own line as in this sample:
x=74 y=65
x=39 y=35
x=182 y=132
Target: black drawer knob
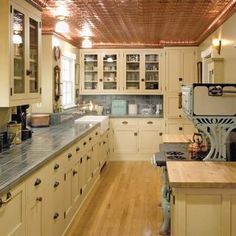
x=77 y=149
x=39 y=199
x=56 y=215
x=56 y=184
x=75 y=172
x=69 y=155
x=37 y=182
x=90 y=139
x=56 y=166
x=84 y=143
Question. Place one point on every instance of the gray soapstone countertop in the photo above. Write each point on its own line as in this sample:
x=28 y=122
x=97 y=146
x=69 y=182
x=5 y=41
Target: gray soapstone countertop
x=22 y=160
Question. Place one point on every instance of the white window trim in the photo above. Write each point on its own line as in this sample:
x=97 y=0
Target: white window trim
x=72 y=58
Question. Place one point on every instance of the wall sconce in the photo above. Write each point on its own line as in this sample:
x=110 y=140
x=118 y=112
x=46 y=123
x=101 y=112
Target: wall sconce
x=217 y=45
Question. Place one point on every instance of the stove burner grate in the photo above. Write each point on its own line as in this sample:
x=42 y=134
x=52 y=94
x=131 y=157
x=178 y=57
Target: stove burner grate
x=176 y=157
x=174 y=153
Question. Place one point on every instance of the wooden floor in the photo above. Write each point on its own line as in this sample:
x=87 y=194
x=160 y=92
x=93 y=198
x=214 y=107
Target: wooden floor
x=125 y=202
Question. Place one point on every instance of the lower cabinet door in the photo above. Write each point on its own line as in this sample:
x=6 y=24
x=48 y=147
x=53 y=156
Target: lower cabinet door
x=67 y=202
x=125 y=141
x=36 y=217
x=149 y=141
x=75 y=184
x=13 y=215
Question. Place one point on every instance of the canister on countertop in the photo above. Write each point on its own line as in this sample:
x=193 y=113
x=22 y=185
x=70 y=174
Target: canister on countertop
x=133 y=109
x=14 y=130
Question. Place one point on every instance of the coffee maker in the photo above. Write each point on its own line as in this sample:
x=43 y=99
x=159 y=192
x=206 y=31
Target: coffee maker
x=21 y=117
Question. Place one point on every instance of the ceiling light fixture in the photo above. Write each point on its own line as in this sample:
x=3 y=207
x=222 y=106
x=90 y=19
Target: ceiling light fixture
x=62 y=27
x=87 y=43
x=109 y=59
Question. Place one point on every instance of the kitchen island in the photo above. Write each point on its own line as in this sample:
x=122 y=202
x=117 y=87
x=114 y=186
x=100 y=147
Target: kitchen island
x=203 y=200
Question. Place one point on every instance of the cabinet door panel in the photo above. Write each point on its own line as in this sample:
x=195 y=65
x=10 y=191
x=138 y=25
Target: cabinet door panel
x=189 y=66
x=172 y=109
x=174 y=70
x=233 y=219
x=12 y=214
x=203 y=215
x=149 y=141
x=125 y=141
x=174 y=127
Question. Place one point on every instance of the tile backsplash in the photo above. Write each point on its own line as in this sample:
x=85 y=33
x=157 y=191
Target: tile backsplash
x=106 y=100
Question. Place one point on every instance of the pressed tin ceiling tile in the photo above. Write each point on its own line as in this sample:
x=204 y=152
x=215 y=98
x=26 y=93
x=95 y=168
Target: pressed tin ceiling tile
x=146 y=23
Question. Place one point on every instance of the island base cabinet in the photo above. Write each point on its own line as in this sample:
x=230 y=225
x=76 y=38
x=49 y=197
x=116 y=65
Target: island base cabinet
x=12 y=213
x=203 y=212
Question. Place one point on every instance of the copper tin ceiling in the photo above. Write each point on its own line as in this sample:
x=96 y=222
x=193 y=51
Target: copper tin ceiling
x=140 y=23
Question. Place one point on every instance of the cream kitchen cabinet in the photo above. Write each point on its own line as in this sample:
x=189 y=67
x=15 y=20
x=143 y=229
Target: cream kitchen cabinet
x=135 y=138
x=121 y=71
x=142 y=71
x=181 y=68
x=180 y=126
x=21 y=36
x=12 y=212
x=103 y=149
x=100 y=71
x=202 y=211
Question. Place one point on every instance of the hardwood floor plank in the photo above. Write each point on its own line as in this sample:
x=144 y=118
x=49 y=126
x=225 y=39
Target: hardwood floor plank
x=125 y=202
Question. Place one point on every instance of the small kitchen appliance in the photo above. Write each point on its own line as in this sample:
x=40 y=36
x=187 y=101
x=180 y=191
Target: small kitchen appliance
x=21 y=118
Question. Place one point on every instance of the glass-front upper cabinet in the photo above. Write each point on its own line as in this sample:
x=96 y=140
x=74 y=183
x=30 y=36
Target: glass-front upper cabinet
x=33 y=56
x=132 y=71
x=90 y=72
x=151 y=72
x=25 y=44
x=18 y=39
x=110 y=71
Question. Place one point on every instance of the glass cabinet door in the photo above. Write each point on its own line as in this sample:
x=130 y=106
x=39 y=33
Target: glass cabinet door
x=109 y=71
x=33 y=71
x=90 y=71
x=151 y=72
x=18 y=38
x=132 y=72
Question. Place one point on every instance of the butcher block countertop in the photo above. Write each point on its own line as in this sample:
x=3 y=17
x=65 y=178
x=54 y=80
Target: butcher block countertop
x=202 y=174
x=176 y=138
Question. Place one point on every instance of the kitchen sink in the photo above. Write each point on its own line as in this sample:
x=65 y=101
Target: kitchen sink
x=103 y=120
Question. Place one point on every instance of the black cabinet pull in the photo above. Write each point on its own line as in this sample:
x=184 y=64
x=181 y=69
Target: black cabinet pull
x=84 y=143
x=180 y=116
x=100 y=80
x=104 y=142
x=81 y=160
x=75 y=172
x=56 y=215
x=39 y=199
x=90 y=139
x=69 y=155
x=142 y=80
x=149 y=122
x=77 y=149
x=135 y=134
x=8 y=199
x=37 y=182
x=88 y=158
x=56 y=184
x=125 y=122
x=81 y=191
x=160 y=133
x=180 y=79
x=96 y=133
x=180 y=128
x=56 y=166
x=29 y=72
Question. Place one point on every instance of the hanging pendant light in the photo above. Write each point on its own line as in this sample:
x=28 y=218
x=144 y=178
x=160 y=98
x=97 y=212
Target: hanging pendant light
x=62 y=27
x=87 y=43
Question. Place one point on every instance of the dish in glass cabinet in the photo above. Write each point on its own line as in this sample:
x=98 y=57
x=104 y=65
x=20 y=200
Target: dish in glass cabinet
x=57 y=53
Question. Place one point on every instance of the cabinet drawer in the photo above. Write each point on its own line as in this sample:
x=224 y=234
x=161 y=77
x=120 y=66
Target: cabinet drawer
x=151 y=123
x=57 y=165
x=124 y=122
x=36 y=184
